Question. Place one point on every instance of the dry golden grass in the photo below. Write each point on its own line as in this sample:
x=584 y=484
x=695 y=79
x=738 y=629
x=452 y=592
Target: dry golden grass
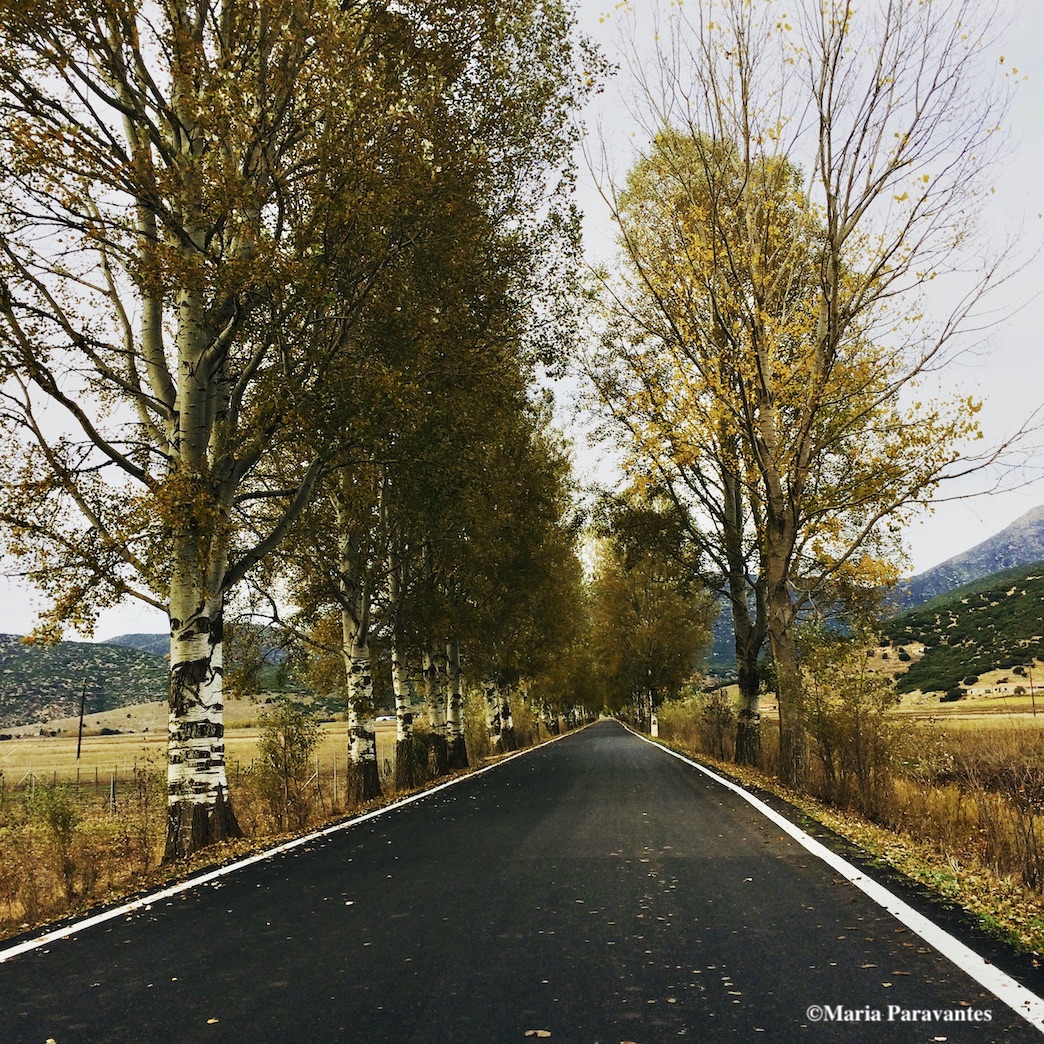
x=53 y=759
x=960 y=806
x=64 y=848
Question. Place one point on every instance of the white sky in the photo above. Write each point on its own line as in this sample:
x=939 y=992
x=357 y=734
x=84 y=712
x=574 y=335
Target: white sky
x=1010 y=380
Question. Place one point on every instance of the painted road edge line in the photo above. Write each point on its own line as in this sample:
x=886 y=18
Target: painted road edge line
x=1016 y=996
x=146 y=901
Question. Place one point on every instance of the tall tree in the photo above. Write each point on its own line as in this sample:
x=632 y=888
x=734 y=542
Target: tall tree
x=174 y=185
x=519 y=585
x=651 y=614
x=196 y=198
x=458 y=320
x=789 y=294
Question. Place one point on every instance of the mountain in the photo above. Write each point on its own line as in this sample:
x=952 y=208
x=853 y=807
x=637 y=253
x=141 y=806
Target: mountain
x=41 y=682
x=243 y=640
x=1020 y=544
x=994 y=623
x=157 y=644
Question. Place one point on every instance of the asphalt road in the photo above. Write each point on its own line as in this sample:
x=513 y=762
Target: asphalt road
x=593 y=890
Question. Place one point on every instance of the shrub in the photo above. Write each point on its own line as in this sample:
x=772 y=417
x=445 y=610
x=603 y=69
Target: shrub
x=476 y=727
x=54 y=808
x=847 y=720
x=717 y=723
x=679 y=723
x=289 y=736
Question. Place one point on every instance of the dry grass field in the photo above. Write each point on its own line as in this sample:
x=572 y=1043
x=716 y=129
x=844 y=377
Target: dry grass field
x=65 y=846
x=144 y=737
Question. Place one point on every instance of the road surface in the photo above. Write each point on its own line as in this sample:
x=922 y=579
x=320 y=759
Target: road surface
x=595 y=890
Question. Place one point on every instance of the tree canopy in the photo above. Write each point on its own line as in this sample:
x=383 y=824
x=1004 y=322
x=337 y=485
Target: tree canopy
x=209 y=218
x=765 y=340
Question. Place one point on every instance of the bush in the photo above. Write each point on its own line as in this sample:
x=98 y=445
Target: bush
x=717 y=723
x=979 y=798
x=704 y=723
x=55 y=809
x=289 y=736
x=679 y=723
x=847 y=720
x=476 y=727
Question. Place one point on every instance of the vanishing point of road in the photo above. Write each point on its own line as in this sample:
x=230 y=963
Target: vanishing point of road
x=594 y=890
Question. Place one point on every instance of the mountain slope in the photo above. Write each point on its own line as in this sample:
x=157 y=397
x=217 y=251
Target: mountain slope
x=1020 y=544
x=157 y=644
x=995 y=622
x=41 y=682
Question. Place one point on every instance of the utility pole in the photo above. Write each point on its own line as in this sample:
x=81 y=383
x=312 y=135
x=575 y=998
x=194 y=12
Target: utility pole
x=83 y=700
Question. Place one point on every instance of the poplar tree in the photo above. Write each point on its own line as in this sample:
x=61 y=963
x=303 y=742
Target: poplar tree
x=811 y=175
x=451 y=336
x=176 y=182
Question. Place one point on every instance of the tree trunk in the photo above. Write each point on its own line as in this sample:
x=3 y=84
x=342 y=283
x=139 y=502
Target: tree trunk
x=550 y=720
x=789 y=688
x=748 y=725
x=508 y=740
x=198 y=810
x=494 y=725
x=435 y=698
x=457 y=751
x=750 y=636
x=405 y=763
x=363 y=773
x=748 y=629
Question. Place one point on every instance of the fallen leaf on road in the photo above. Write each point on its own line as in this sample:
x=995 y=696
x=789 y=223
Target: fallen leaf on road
x=538 y=1033
x=210 y=1022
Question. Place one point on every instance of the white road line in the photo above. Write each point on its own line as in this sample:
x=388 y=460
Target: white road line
x=1001 y=985
x=212 y=875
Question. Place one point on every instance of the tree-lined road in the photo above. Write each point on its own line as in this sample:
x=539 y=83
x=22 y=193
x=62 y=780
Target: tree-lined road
x=594 y=890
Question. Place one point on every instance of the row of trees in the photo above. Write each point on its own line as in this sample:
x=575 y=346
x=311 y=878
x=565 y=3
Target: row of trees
x=276 y=276
x=766 y=340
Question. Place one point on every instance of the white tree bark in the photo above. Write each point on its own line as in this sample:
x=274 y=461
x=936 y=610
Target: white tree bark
x=508 y=741
x=197 y=788
x=457 y=751
x=491 y=693
x=405 y=763
x=364 y=779
x=498 y=716
x=435 y=700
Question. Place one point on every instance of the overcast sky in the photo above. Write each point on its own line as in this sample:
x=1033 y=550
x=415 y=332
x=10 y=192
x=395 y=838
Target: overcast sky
x=1010 y=379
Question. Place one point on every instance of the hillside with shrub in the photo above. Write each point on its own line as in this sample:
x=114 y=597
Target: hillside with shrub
x=994 y=623
x=1017 y=546
x=42 y=682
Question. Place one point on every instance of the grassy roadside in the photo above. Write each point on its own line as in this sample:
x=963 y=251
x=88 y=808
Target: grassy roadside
x=1003 y=908
x=111 y=859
